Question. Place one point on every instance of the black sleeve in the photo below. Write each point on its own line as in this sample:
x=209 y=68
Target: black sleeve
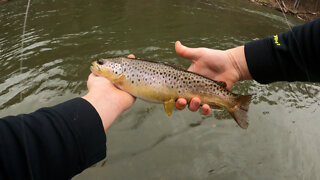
x=289 y=56
x=51 y=143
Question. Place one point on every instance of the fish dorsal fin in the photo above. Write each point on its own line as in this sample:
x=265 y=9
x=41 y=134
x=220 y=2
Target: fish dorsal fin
x=179 y=67
x=176 y=66
x=221 y=83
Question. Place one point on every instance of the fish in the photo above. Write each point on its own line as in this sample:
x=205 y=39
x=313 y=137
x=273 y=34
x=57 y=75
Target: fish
x=164 y=83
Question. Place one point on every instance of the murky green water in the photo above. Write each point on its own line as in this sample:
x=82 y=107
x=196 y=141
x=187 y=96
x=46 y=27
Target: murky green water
x=63 y=37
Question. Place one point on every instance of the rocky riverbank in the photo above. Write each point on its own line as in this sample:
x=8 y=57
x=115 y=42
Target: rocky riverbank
x=303 y=9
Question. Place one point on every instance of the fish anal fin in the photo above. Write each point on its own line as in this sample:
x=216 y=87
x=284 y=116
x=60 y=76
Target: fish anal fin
x=214 y=106
x=168 y=106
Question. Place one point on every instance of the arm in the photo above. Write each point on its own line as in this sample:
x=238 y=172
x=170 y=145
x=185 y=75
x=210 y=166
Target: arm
x=60 y=141
x=51 y=143
x=290 y=56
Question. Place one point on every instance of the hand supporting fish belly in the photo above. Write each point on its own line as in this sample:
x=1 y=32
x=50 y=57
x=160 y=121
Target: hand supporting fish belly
x=164 y=83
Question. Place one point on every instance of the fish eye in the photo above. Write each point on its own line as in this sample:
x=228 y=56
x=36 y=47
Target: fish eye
x=100 y=61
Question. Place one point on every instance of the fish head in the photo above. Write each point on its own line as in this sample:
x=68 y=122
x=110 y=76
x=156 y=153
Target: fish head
x=108 y=68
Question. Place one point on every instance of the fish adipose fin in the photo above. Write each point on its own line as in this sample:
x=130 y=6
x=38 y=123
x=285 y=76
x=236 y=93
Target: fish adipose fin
x=168 y=106
x=221 y=83
x=240 y=110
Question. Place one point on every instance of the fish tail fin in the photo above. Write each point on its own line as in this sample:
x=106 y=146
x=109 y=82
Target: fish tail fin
x=239 y=111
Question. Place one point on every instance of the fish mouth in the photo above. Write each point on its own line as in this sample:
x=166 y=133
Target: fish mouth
x=94 y=68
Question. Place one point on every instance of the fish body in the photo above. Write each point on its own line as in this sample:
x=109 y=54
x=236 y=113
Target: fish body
x=165 y=83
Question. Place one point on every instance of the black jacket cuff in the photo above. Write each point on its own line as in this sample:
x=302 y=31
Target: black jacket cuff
x=86 y=125
x=260 y=60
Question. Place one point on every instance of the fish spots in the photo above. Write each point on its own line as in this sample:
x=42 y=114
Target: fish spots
x=163 y=78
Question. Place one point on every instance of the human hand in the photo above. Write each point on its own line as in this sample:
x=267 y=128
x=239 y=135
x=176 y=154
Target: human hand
x=108 y=100
x=229 y=66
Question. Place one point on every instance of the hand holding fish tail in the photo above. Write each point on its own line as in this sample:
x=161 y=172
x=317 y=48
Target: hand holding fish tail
x=229 y=66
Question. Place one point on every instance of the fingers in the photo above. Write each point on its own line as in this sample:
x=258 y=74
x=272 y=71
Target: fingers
x=192 y=68
x=91 y=75
x=205 y=109
x=194 y=105
x=131 y=56
x=90 y=78
x=186 y=52
x=181 y=103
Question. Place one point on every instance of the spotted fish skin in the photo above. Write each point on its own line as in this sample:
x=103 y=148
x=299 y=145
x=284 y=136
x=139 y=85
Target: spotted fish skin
x=164 y=83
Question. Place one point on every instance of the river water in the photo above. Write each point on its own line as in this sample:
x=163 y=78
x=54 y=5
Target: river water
x=63 y=37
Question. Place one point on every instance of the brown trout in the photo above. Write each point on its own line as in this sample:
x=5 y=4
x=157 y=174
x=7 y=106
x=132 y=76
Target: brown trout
x=165 y=83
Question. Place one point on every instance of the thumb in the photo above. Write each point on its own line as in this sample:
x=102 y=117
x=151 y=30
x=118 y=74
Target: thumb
x=192 y=68
x=186 y=52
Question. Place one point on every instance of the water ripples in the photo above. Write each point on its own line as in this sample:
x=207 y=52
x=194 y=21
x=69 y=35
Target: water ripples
x=60 y=54
x=63 y=37
x=47 y=77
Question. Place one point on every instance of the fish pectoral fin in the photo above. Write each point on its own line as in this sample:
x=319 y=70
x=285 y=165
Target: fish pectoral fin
x=118 y=79
x=168 y=106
